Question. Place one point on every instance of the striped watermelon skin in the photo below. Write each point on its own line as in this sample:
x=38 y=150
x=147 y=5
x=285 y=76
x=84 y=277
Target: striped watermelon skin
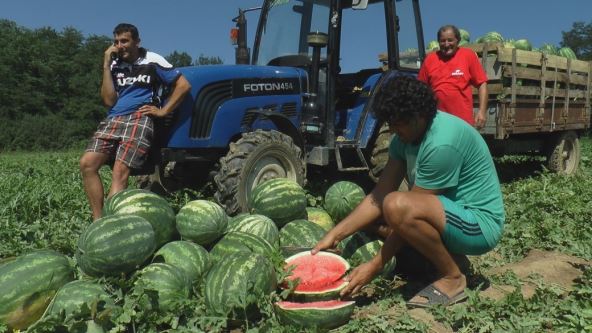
x=201 y=221
x=192 y=258
x=72 y=297
x=323 y=315
x=255 y=224
x=151 y=206
x=115 y=244
x=341 y=198
x=301 y=233
x=360 y=248
x=280 y=199
x=27 y=285
x=321 y=217
x=169 y=282
x=239 y=241
x=233 y=284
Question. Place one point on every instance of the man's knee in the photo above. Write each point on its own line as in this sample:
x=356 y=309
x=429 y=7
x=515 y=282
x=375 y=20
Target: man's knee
x=396 y=208
x=90 y=163
x=121 y=172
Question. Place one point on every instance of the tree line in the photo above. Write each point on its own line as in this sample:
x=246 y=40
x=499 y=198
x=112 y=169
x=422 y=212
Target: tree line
x=50 y=83
x=50 y=80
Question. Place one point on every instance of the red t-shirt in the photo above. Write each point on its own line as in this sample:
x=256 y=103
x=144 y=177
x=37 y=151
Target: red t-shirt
x=451 y=80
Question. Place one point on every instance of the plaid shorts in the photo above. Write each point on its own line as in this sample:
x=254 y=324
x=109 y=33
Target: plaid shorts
x=127 y=138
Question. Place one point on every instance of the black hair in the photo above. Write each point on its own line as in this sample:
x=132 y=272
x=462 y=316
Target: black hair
x=126 y=27
x=449 y=27
x=401 y=97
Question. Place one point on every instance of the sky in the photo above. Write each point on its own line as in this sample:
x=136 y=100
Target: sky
x=202 y=28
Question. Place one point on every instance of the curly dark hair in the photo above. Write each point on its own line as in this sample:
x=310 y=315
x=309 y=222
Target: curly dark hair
x=400 y=98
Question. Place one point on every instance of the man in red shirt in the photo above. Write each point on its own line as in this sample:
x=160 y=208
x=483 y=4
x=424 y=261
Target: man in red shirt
x=451 y=72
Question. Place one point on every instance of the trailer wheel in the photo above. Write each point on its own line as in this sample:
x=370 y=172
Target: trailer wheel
x=253 y=159
x=564 y=154
x=380 y=156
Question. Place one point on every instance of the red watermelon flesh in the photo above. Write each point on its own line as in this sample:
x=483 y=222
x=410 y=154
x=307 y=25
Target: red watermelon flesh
x=314 y=305
x=318 y=273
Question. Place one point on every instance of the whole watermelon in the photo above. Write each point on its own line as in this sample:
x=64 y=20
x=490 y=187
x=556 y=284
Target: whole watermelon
x=566 y=52
x=238 y=241
x=28 y=284
x=79 y=297
x=235 y=285
x=298 y=234
x=320 y=216
x=151 y=206
x=255 y=224
x=523 y=44
x=280 y=199
x=169 y=282
x=202 y=221
x=361 y=247
x=115 y=244
x=341 y=198
x=190 y=257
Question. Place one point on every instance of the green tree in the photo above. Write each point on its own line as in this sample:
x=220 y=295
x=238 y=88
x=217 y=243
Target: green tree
x=179 y=59
x=579 y=39
x=205 y=60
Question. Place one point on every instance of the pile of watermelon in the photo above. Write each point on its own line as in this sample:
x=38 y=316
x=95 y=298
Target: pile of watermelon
x=233 y=263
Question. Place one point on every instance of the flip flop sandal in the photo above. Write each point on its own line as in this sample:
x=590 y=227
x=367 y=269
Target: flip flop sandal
x=436 y=297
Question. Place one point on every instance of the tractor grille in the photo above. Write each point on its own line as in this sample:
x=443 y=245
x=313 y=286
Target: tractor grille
x=289 y=110
x=206 y=105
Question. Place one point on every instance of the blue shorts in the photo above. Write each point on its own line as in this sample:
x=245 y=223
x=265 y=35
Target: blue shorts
x=462 y=232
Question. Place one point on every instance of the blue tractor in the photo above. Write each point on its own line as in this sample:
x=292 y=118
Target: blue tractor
x=297 y=101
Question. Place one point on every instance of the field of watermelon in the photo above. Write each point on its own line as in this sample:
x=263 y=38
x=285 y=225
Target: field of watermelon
x=179 y=264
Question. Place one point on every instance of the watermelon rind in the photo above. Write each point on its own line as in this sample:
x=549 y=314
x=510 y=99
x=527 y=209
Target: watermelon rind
x=78 y=298
x=235 y=285
x=115 y=244
x=192 y=258
x=323 y=315
x=321 y=217
x=169 y=282
x=202 y=222
x=318 y=295
x=300 y=233
x=239 y=241
x=28 y=284
x=341 y=199
x=149 y=205
x=280 y=199
x=256 y=224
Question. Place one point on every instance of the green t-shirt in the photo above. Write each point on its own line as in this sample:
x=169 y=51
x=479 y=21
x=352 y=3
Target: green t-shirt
x=454 y=157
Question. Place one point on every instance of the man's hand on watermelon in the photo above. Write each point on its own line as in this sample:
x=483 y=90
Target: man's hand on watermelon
x=330 y=241
x=360 y=276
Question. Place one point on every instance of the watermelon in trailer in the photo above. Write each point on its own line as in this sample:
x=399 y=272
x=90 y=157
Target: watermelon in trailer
x=316 y=277
x=27 y=285
x=316 y=315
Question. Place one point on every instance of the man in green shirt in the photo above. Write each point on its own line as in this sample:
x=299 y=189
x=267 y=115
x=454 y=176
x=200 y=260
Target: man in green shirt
x=455 y=203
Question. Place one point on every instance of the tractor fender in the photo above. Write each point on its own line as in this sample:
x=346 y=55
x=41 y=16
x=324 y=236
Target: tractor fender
x=282 y=123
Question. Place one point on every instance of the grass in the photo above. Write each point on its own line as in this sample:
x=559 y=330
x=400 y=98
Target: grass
x=42 y=205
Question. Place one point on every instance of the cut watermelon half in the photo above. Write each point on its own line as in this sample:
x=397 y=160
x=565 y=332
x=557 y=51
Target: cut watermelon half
x=323 y=314
x=319 y=276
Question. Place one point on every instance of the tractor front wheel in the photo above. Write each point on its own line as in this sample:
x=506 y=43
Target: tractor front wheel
x=253 y=159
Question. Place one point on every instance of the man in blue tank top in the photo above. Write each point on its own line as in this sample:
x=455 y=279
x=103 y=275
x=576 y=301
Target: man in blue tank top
x=455 y=203
x=132 y=86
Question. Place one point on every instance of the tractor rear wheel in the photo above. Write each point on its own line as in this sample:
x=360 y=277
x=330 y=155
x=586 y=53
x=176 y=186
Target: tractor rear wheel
x=564 y=154
x=380 y=156
x=253 y=159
